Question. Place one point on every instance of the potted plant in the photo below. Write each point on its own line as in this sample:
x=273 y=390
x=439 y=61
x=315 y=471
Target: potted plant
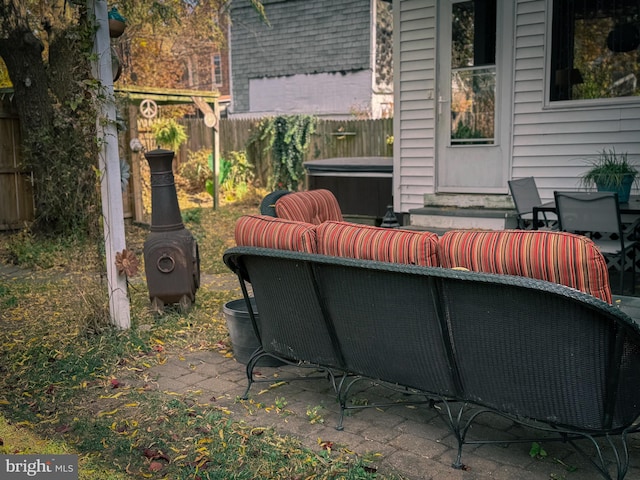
x=169 y=133
x=611 y=172
x=117 y=23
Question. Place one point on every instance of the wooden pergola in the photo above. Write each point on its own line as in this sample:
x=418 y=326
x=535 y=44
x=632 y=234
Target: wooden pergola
x=205 y=101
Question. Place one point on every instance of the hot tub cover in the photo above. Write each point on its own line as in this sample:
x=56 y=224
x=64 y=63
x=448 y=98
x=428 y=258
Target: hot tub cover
x=351 y=164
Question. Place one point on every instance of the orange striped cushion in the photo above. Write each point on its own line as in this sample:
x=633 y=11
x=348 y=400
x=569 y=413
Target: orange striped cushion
x=344 y=239
x=272 y=232
x=313 y=206
x=564 y=258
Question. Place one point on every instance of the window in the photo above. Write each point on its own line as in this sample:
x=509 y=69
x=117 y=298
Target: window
x=473 y=72
x=216 y=69
x=594 y=49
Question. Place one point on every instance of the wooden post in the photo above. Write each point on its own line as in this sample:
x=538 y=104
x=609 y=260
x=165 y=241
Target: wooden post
x=136 y=177
x=212 y=120
x=109 y=163
x=216 y=156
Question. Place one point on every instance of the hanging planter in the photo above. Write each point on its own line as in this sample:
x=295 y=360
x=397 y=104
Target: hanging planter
x=116 y=23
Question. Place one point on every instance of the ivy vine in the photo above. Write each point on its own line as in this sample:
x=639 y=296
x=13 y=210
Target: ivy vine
x=287 y=140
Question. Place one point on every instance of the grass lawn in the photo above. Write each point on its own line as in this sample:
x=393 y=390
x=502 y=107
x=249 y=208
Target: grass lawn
x=70 y=383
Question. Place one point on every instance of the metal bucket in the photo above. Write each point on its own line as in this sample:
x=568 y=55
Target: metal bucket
x=243 y=337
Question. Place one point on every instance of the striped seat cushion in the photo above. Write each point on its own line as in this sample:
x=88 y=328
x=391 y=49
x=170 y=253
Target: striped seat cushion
x=559 y=257
x=272 y=232
x=313 y=206
x=342 y=239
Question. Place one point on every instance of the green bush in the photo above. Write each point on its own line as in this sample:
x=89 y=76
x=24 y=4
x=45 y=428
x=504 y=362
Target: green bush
x=196 y=170
x=236 y=175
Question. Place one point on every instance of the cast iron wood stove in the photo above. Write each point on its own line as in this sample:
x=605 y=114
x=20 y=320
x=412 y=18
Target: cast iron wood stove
x=171 y=257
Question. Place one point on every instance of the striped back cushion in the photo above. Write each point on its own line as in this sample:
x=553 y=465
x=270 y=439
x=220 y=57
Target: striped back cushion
x=558 y=257
x=272 y=232
x=342 y=239
x=313 y=206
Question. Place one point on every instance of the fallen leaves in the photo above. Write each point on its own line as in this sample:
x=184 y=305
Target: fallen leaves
x=326 y=446
x=95 y=387
x=271 y=387
x=115 y=395
x=105 y=414
x=155 y=454
x=62 y=429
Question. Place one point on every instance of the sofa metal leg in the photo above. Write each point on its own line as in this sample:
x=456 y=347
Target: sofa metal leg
x=249 y=371
x=620 y=454
x=344 y=389
x=458 y=425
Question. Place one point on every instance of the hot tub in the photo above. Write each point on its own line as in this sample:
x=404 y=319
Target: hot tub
x=362 y=185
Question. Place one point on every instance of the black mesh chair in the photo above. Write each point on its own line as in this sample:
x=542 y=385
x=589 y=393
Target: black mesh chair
x=268 y=203
x=525 y=196
x=597 y=215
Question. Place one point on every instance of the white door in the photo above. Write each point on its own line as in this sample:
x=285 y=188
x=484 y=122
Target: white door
x=475 y=45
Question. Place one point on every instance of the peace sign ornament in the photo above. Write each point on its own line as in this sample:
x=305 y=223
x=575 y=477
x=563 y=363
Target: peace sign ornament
x=148 y=108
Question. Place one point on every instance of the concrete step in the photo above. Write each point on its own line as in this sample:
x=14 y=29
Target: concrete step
x=464 y=211
x=449 y=218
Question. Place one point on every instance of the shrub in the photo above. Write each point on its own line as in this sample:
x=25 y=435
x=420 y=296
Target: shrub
x=236 y=175
x=196 y=170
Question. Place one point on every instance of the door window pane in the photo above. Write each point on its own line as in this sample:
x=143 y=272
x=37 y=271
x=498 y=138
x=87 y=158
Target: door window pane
x=473 y=106
x=473 y=72
x=595 y=49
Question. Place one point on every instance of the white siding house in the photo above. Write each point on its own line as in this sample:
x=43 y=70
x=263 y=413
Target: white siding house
x=538 y=132
x=414 y=64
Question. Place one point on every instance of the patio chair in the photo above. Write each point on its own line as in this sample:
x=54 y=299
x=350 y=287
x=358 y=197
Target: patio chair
x=597 y=215
x=525 y=196
x=268 y=203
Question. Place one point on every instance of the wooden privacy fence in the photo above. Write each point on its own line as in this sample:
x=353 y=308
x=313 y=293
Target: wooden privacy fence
x=16 y=189
x=332 y=139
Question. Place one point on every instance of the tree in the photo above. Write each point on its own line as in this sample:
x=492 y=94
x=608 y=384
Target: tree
x=50 y=72
x=46 y=46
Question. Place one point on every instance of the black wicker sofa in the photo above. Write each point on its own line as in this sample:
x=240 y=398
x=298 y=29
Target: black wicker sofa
x=539 y=353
